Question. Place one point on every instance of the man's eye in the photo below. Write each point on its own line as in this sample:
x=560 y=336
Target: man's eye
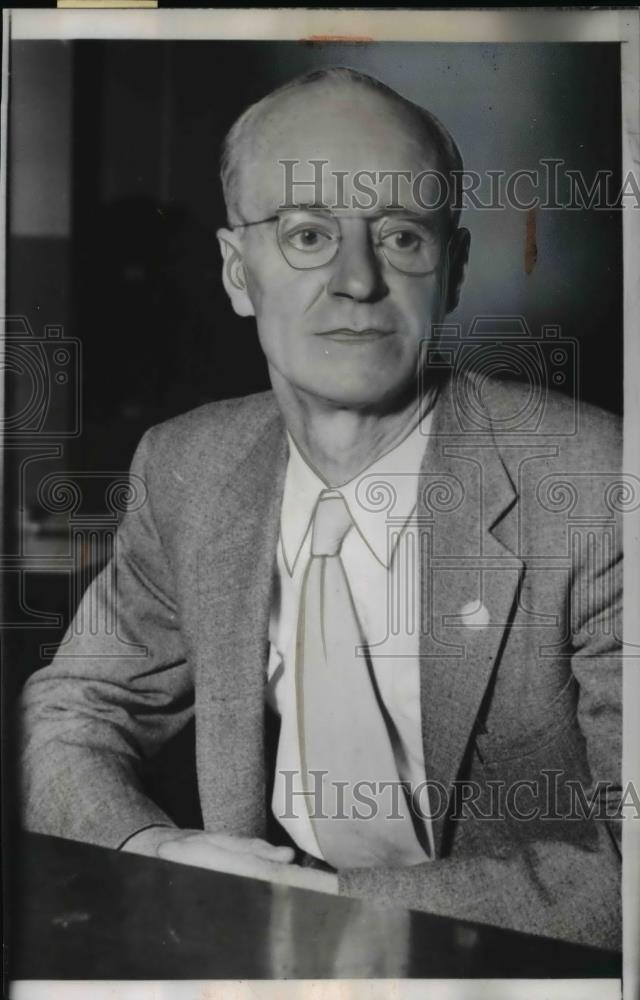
x=309 y=238
x=402 y=239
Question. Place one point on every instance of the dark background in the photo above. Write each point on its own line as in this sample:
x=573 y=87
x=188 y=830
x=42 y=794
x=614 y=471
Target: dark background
x=113 y=204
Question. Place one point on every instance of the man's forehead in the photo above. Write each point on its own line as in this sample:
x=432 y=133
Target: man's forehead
x=347 y=125
x=344 y=143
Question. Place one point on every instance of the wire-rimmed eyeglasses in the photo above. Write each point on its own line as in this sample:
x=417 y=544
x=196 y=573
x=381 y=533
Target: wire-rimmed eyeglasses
x=310 y=239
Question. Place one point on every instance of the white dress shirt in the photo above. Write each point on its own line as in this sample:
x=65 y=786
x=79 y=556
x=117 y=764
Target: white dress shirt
x=380 y=555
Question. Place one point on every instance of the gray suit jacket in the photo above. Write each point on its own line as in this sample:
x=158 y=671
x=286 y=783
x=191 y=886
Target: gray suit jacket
x=518 y=514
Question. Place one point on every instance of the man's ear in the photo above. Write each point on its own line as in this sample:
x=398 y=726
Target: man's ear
x=233 y=276
x=458 y=257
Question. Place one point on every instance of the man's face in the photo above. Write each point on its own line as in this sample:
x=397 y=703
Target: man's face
x=346 y=331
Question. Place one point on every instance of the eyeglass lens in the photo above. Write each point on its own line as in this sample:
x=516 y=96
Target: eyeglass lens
x=308 y=240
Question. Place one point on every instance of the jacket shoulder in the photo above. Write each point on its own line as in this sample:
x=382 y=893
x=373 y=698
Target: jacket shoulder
x=219 y=431
x=185 y=462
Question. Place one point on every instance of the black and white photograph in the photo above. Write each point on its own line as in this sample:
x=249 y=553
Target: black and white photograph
x=320 y=408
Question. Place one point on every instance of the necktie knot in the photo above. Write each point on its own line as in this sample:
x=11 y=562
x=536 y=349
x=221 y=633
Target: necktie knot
x=331 y=522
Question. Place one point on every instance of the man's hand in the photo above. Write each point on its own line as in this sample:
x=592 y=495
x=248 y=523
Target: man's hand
x=248 y=856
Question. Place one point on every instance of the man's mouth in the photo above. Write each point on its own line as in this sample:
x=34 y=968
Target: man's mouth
x=345 y=333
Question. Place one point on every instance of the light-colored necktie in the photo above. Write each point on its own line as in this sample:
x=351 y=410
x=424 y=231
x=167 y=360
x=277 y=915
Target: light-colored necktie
x=357 y=820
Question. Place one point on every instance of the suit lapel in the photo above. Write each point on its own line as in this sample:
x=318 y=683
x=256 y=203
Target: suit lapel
x=470 y=581
x=235 y=574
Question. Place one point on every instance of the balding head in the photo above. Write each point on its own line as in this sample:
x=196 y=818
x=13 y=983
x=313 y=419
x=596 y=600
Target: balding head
x=344 y=110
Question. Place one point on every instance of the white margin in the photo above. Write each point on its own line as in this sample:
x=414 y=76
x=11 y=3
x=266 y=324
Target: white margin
x=324 y=989
x=4 y=118
x=298 y=23
x=630 y=83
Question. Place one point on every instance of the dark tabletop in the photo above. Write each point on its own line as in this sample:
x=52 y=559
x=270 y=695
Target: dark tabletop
x=82 y=912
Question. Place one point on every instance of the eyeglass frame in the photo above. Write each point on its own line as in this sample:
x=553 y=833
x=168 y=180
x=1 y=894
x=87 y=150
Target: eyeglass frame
x=314 y=267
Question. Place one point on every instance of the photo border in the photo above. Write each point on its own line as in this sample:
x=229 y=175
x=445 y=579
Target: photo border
x=497 y=26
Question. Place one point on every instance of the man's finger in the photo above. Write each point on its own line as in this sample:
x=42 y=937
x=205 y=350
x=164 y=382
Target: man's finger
x=202 y=854
x=252 y=845
x=261 y=848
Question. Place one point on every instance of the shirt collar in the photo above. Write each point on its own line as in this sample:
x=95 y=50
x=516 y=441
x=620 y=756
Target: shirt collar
x=393 y=476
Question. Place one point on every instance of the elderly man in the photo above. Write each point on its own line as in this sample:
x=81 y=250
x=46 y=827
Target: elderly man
x=396 y=585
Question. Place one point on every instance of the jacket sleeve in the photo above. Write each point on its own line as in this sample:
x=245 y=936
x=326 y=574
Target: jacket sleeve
x=119 y=687
x=549 y=886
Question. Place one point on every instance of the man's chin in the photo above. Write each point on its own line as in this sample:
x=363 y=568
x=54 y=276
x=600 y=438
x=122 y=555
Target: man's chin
x=371 y=390
x=364 y=396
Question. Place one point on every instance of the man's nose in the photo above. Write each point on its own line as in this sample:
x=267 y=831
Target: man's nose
x=357 y=272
